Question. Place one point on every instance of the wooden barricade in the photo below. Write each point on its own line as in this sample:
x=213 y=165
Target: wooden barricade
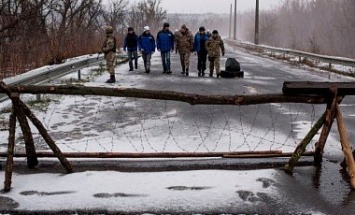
x=334 y=92
x=327 y=93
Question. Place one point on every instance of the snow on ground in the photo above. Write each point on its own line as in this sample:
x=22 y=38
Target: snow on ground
x=144 y=126
x=202 y=190
x=118 y=191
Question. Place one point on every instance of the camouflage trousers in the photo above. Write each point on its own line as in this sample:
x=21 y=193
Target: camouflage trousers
x=214 y=63
x=110 y=65
x=185 y=60
x=110 y=62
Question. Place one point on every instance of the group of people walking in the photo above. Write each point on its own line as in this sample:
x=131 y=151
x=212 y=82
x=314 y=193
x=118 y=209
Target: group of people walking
x=204 y=45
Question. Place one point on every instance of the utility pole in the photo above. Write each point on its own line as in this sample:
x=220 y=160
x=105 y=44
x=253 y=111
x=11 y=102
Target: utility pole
x=235 y=20
x=230 y=21
x=256 y=38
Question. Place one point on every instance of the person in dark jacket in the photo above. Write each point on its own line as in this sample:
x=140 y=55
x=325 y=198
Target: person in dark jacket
x=131 y=46
x=165 y=44
x=146 y=44
x=200 y=39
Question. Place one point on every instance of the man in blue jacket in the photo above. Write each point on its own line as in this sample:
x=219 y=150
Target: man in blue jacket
x=165 y=44
x=131 y=46
x=146 y=44
x=200 y=39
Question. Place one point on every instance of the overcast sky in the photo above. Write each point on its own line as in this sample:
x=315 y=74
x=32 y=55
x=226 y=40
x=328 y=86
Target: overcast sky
x=216 y=6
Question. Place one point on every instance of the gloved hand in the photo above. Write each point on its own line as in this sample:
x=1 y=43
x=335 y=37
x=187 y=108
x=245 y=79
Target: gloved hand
x=222 y=53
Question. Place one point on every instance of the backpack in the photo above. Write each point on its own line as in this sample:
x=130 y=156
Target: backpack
x=232 y=69
x=232 y=65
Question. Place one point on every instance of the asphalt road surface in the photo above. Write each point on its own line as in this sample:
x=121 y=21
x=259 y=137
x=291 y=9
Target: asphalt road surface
x=322 y=190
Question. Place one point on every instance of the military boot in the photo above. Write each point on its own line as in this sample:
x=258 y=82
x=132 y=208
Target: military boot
x=112 y=79
x=183 y=70
x=187 y=71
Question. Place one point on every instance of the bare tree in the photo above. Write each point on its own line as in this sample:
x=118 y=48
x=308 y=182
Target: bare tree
x=149 y=12
x=320 y=26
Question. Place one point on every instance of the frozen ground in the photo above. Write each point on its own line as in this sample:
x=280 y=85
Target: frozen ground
x=92 y=123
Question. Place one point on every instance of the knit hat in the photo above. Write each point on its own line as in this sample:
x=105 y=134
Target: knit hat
x=201 y=28
x=130 y=29
x=183 y=26
x=214 y=32
x=166 y=25
x=146 y=28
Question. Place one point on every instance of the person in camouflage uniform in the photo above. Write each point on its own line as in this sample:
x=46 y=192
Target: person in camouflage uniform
x=215 y=46
x=184 y=45
x=109 y=49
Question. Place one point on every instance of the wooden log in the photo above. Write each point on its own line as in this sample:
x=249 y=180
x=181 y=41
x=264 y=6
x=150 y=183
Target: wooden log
x=346 y=146
x=10 y=152
x=193 y=99
x=301 y=148
x=251 y=155
x=32 y=160
x=329 y=119
x=317 y=88
x=153 y=154
x=42 y=130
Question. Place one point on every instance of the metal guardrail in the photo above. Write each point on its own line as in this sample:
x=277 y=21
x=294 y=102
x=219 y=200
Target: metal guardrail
x=323 y=58
x=45 y=73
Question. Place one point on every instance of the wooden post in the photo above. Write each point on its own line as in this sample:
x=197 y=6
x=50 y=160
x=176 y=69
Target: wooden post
x=32 y=160
x=42 y=130
x=301 y=148
x=329 y=119
x=346 y=146
x=230 y=21
x=79 y=75
x=256 y=36
x=235 y=20
x=10 y=152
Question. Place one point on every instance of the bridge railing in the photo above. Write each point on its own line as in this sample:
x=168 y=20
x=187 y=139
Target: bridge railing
x=45 y=73
x=317 y=57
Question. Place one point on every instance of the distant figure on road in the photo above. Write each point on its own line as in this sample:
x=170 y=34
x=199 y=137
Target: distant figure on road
x=146 y=44
x=165 y=44
x=209 y=33
x=184 y=45
x=215 y=46
x=200 y=47
x=109 y=49
x=131 y=46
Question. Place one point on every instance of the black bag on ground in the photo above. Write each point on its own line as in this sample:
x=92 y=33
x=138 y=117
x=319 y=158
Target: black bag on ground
x=232 y=67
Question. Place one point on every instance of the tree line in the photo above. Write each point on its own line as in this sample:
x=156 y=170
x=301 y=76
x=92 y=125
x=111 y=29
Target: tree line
x=34 y=33
x=318 y=26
